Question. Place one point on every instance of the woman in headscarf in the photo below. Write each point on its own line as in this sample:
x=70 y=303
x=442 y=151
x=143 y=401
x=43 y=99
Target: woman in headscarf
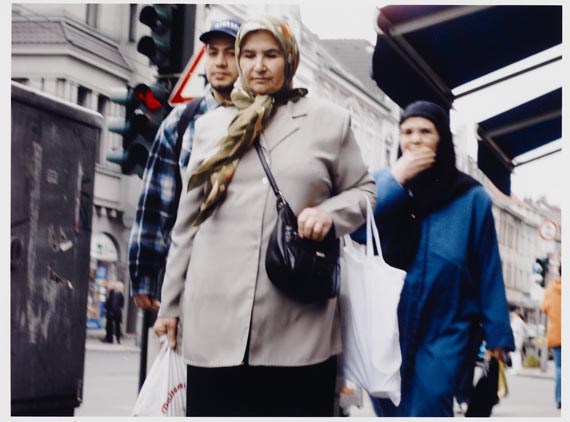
x=250 y=349
x=436 y=223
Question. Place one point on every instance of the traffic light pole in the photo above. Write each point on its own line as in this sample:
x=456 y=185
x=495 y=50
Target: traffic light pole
x=544 y=348
x=149 y=318
x=169 y=47
x=148 y=321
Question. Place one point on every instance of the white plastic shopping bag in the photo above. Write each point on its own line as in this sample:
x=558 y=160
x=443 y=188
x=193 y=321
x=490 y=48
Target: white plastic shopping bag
x=164 y=390
x=369 y=297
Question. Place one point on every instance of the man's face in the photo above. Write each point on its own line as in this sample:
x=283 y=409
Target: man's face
x=220 y=62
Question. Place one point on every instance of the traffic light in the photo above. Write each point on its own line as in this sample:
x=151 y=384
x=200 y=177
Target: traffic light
x=145 y=108
x=540 y=268
x=170 y=43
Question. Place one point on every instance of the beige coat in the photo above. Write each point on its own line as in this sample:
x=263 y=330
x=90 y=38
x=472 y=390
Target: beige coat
x=218 y=269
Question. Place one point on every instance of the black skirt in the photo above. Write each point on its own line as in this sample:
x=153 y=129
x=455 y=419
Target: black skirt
x=262 y=390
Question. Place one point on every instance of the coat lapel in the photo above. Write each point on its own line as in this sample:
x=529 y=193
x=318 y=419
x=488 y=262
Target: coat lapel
x=285 y=122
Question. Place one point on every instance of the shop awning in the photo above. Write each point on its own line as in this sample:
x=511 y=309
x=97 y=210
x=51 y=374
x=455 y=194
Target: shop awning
x=424 y=52
x=515 y=132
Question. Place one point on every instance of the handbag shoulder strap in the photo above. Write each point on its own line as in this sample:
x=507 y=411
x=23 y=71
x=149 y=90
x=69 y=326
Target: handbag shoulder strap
x=372 y=232
x=267 y=170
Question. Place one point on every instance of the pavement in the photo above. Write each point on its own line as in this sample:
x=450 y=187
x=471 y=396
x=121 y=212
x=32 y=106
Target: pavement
x=93 y=342
x=531 y=389
x=531 y=394
x=536 y=372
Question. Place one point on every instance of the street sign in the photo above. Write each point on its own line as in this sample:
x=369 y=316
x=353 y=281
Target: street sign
x=548 y=230
x=190 y=85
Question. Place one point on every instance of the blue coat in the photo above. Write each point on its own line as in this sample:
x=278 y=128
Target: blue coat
x=454 y=287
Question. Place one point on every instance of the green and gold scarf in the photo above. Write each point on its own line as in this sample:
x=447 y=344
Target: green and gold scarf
x=254 y=113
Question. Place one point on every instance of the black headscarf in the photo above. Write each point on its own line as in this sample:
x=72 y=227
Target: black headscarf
x=431 y=189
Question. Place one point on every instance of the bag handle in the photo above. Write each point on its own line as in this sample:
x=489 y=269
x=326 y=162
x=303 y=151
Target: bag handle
x=372 y=229
x=280 y=198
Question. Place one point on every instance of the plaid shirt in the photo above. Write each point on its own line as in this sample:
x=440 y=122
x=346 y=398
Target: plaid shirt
x=158 y=202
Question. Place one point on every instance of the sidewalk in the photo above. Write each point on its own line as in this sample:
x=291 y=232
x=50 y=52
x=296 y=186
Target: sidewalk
x=537 y=372
x=93 y=342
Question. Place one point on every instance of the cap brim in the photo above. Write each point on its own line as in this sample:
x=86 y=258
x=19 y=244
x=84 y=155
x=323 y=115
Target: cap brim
x=205 y=37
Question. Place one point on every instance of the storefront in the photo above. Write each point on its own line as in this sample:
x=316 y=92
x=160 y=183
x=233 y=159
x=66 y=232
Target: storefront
x=102 y=270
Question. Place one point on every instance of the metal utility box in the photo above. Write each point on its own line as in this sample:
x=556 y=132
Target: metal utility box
x=53 y=154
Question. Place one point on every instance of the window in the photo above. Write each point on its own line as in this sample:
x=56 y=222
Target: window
x=102 y=104
x=388 y=149
x=83 y=96
x=508 y=276
x=92 y=15
x=60 y=88
x=132 y=22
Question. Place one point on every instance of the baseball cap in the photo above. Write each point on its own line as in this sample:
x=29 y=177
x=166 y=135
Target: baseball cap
x=226 y=26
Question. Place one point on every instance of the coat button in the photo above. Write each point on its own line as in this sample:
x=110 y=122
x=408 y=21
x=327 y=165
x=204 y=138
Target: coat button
x=413 y=216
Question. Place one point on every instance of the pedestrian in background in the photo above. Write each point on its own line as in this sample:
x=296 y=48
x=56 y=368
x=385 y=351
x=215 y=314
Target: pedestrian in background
x=252 y=350
x=117 y=304
x=114 y=304
x=109 y=314
x=436 y=223
x=551 y=306
x=161 y=186
x=520 y=333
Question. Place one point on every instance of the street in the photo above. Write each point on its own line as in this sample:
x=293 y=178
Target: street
x=531 y=394
x=111 y=380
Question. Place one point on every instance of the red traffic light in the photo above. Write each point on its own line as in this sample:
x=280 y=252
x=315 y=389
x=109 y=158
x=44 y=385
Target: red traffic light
x=143 y=93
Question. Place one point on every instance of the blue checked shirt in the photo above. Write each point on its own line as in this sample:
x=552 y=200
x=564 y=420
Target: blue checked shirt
x=158 y=202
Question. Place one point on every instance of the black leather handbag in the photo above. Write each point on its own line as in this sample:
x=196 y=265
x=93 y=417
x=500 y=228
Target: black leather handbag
x=306 y=270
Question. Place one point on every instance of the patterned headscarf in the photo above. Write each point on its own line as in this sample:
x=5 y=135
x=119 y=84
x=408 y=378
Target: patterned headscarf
x=254 y=113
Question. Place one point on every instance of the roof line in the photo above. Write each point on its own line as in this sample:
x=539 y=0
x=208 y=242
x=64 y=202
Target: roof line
x=360 y=88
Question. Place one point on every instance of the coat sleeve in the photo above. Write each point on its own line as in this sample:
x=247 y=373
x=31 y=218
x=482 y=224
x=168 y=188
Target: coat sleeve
x=392 y=198
x=182 y=238
x=487 y=271
x=352 y=184
x=156 y=210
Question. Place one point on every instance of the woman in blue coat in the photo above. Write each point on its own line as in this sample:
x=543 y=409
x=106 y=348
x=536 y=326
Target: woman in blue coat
x=436 y=223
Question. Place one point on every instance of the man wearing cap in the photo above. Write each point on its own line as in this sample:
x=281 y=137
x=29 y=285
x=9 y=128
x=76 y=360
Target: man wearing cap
x=158 y=202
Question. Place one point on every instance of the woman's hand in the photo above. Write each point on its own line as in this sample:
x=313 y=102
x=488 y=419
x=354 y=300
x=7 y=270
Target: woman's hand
x=412 y=162
x=167 y=326
x=498 y=353
x=314 y=223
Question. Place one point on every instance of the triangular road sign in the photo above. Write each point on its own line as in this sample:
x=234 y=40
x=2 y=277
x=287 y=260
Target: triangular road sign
x=190 y=84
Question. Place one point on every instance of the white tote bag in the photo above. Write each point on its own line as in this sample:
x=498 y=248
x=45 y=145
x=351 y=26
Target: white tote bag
x=164 y=390
x=369 y=297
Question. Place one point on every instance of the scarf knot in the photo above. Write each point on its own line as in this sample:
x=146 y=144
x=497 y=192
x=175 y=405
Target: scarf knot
x=216 y=172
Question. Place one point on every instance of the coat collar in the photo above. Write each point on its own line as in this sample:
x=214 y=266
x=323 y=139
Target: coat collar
x=285 y=122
